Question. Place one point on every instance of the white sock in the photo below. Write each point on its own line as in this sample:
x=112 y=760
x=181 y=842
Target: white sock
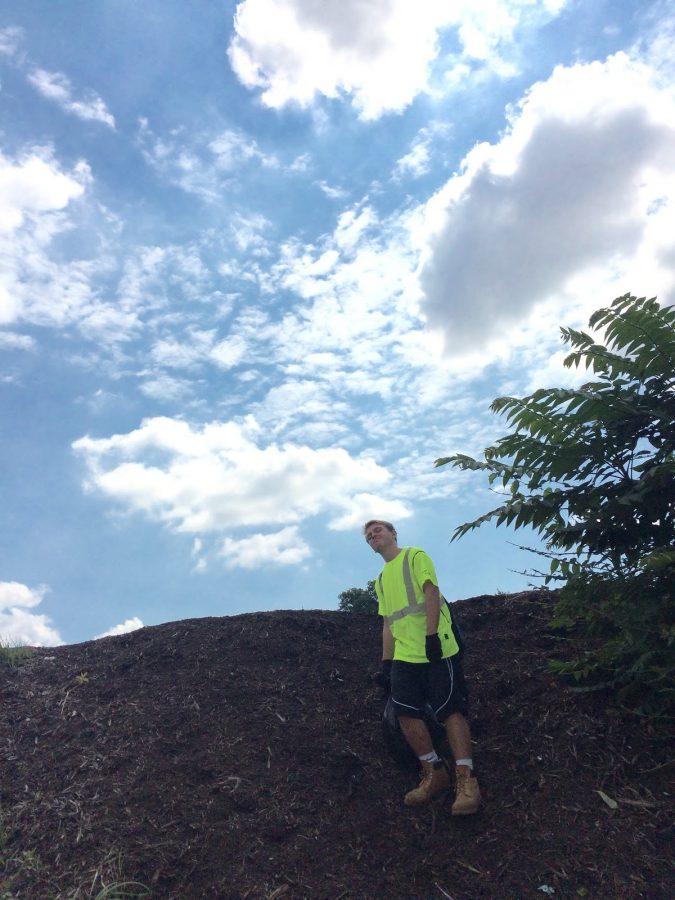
x=429 y=757
x=464 y=762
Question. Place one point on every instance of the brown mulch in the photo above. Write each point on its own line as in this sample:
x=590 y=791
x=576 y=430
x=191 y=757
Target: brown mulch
x=242 y=757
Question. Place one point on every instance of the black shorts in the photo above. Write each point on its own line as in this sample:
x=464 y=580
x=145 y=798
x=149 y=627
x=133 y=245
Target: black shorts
x=439 y=684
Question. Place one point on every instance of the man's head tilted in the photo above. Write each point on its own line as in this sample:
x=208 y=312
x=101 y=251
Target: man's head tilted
x=380 y=535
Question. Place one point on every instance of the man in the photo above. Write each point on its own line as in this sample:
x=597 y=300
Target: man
x=420 y=657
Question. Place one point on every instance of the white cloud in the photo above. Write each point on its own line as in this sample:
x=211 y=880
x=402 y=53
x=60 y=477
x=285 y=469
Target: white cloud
x=196 y=348
x=204 y=164
x=33 y=184
x=247 y=233
x=155 y=277
x=223 y=476
x=582 y=182
x=360 y=294
x=19 y=627
x=551 y=372
x=196 y=554
x=231 y=148
x=281 y=548
x=57 y=87
x=125 y=627
x=416 y=162
x=38 y=202
x=176 y=354
x=10 y=38
x=656 y=44
x=418 y=159
x=164 y=387
x=333 y=193
x=14 y=341
x=381 y=52
x=368 y=506
x=228 y=353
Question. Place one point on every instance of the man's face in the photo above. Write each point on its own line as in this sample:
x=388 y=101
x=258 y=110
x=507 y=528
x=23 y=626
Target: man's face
x=379 y=537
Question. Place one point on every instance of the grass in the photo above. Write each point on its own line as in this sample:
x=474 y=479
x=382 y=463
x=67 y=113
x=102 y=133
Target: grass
x=4 y=837
x=109 y=882
x=12 y=654
x=122 y=890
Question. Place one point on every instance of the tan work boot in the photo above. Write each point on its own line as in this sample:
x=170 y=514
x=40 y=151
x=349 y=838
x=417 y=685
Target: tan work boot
x=435 y=780
x=467 y=796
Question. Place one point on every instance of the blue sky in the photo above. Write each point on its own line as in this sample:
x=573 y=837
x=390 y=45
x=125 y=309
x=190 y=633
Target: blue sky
x=263 y=262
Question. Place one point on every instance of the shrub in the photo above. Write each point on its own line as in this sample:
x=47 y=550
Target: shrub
x=592 y=470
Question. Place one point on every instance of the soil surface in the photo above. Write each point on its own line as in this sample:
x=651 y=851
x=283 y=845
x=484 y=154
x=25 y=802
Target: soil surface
x=243 y=757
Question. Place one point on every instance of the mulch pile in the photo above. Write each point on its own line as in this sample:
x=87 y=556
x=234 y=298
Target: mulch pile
x=243 y=757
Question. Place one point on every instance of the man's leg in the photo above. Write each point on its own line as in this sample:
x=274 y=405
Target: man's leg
x=435 y=780
x=467 y=795
x=417 y=735
x=448 y=686
x=459 y=737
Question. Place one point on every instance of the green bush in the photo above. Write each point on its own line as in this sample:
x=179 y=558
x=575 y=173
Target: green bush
x=592 y=470
x=362 y=600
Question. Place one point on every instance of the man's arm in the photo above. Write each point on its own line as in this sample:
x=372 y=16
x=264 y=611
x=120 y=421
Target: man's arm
x=387 y=642
x=432 y=600
x=383 y=677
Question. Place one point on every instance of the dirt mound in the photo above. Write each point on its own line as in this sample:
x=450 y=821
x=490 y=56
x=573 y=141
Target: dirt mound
x=242 y=757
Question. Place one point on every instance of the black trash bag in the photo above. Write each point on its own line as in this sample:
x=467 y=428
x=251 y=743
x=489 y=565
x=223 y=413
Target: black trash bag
x=398 y=747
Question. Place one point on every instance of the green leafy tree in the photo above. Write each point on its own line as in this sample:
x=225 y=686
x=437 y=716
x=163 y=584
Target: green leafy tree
x=593 y=471
x=362 y=600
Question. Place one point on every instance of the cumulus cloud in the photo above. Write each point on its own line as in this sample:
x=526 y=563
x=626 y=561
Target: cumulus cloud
x=368 y=506
x=57 y=87
x=125 y=627
x=223 y=475
x=17 y=625
x=34 y=184
x=35 y=199
x=281 y=548
x=380 y=52
x=582 y=180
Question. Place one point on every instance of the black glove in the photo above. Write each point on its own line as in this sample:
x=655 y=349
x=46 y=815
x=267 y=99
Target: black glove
x=433 y=648
x=383 y=677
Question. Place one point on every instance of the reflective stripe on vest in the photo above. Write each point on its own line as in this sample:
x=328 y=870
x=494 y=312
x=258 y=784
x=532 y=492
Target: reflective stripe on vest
x=414 y=606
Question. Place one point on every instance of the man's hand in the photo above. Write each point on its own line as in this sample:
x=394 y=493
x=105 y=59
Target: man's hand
x=433 y=648
x=383 y=677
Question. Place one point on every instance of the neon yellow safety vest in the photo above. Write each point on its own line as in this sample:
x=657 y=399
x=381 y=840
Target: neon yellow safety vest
x=402 y=605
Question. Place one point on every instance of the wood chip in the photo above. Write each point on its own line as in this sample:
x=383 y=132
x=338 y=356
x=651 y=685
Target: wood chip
x=608 y=800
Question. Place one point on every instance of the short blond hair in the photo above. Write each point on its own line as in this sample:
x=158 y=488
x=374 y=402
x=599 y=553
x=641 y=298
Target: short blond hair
x=387 y=525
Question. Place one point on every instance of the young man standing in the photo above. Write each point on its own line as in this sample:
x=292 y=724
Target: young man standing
x=420 y=658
